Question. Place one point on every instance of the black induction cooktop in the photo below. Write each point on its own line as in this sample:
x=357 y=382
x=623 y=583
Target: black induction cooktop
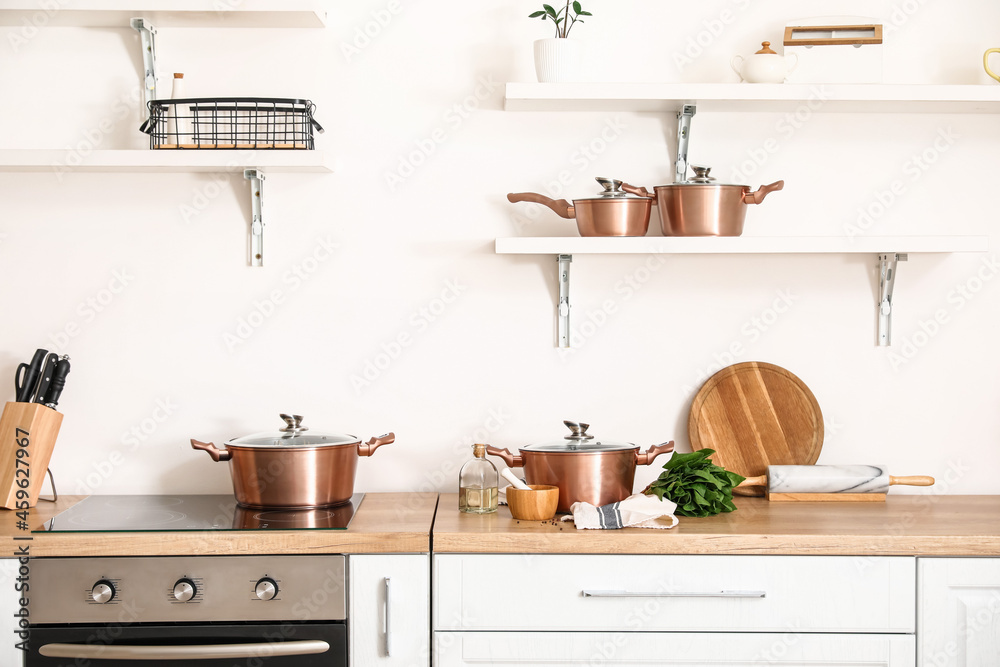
x=129 y=514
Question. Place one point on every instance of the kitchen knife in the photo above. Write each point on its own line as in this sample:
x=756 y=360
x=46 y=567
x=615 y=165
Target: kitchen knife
x=45 y=378
x=25 y=384
x=51 y=398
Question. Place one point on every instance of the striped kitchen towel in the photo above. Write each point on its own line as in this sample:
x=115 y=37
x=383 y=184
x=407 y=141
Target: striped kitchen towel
x=638 y=511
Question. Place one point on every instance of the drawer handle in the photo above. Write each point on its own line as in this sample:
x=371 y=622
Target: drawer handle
x=213 y=652
x=670 y=594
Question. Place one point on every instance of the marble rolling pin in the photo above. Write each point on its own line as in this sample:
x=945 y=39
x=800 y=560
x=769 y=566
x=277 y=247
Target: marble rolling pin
x=836 y=483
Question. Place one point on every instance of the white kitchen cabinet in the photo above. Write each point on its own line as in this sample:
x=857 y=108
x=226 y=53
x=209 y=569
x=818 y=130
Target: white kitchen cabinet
x=9 y=606
x=674 y=593
x=389 y=610
x=959 y=612
x=458 y=649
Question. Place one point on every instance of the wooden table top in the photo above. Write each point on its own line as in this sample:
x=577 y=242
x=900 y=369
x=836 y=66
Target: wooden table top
x=911 y=525
x=385 y=523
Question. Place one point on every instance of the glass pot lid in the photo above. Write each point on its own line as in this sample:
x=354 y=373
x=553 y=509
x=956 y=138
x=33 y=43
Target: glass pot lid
x=612 y=190
x=702 y=177
x=293 y=435
x=579 y=441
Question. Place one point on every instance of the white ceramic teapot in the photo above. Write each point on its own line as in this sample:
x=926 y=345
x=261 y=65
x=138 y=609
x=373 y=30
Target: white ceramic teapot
x=765 y=66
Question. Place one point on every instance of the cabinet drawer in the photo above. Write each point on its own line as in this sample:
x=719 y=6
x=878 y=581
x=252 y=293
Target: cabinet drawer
x=459 y=649
x=959 y=618
x=703 y=593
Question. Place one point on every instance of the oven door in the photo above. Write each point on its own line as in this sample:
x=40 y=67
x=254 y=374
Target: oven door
x=214 y=645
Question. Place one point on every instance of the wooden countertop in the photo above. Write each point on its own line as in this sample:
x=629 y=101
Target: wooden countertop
x=910 y=525
x=385 y=523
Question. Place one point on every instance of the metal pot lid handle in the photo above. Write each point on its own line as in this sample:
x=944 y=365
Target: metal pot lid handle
x=293 y=424
x=701 y=174
x=579 y=431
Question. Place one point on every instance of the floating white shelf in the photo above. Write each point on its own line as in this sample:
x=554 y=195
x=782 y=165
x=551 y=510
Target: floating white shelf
x=729 y=245
x=167 y=13
x=668 y=97
x=162 y=161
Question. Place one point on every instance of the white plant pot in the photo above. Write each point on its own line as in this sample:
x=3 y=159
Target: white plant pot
x=558 y=60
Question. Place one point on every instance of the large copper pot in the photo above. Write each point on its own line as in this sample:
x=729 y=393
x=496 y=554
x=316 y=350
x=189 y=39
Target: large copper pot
x=613 y=213
x=702 y=207
x=290 y=469
x=584 y=468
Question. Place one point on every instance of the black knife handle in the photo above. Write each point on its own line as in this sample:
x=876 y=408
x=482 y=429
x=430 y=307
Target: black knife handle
x=58 y=382
x=45 y=379
x=27 y=387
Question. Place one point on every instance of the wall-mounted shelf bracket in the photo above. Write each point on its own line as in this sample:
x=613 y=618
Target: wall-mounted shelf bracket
x=886 y=282
x=147 y=33
x=562 y=311
x=256 y=178
x=684 y=117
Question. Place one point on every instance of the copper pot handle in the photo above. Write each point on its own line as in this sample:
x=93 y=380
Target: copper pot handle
x=368 y=448
x=512 y=460
x=642 y=192
x=560 y=206
x=216 y=454
x=646 y=458
x=758 y=196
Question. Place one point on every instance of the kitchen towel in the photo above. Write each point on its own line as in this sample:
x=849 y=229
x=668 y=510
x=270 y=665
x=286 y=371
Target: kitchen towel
x=638 y=511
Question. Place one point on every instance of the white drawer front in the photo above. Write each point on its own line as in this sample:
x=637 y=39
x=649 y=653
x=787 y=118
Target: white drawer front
x=457 y=649
x=653 y=593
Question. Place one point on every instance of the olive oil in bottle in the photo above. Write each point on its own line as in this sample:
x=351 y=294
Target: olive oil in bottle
x=478 y=484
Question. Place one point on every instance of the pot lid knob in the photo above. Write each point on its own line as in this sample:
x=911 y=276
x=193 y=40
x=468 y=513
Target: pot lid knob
x=612 y=187
x=579 y=431
x=701 y=174
x=293 y=424
x=766 y=49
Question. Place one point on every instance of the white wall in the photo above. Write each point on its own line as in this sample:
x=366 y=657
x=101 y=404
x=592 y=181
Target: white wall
x=486 y=367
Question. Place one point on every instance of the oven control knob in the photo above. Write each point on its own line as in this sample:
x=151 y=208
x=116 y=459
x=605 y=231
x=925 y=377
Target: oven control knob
x=266 y=589
x=103 y=591
x=184 y=590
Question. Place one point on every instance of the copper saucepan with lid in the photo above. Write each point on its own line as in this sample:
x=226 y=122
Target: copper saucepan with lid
x=293 y=469
x=584 y=468
x=701 y=206
x=612 y=213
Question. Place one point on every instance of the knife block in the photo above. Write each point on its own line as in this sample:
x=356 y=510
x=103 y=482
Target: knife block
x=36 y=427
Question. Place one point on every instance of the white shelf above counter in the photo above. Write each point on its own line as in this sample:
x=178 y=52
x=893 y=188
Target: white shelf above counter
x=167 y=13
x=748 y=97
x=733 y=245
x=164 y=161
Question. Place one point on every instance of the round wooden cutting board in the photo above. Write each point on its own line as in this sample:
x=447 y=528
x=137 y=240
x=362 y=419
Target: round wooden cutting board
x=753 y=415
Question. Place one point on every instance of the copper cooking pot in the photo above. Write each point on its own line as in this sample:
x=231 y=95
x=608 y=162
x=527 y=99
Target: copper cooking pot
x=702 y=207
x=290 y=469
x=613 y=213
x=584 y=468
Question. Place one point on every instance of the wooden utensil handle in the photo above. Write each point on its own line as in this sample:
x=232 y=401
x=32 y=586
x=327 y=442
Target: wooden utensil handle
x=912 y=480
x=760 y=480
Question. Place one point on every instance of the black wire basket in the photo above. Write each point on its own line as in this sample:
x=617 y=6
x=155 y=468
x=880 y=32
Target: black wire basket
x=218 y=123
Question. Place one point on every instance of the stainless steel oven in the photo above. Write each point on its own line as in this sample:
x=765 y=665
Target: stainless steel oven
x=223 y=611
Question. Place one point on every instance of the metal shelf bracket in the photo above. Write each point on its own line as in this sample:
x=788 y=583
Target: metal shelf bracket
x=147 y=33
x=887 y=280
x=562 y=311
x=684 y=117
x=256 y=178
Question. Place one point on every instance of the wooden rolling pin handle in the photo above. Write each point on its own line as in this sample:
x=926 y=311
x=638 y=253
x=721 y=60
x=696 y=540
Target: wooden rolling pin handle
x=912 y=480
x=760 y=480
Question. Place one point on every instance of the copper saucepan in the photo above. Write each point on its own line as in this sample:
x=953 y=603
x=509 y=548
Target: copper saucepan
x=585 y=469
x=290 y=469
x=702 y=207
x=613 y=213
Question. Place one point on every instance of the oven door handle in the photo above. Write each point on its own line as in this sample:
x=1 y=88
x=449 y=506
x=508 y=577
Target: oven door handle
x=199 y=652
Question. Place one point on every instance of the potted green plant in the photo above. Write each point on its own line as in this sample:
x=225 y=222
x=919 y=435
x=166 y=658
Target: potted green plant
x=559 y=58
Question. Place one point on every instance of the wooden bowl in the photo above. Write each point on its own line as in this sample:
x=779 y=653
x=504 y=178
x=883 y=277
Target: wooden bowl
x=538 y=504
